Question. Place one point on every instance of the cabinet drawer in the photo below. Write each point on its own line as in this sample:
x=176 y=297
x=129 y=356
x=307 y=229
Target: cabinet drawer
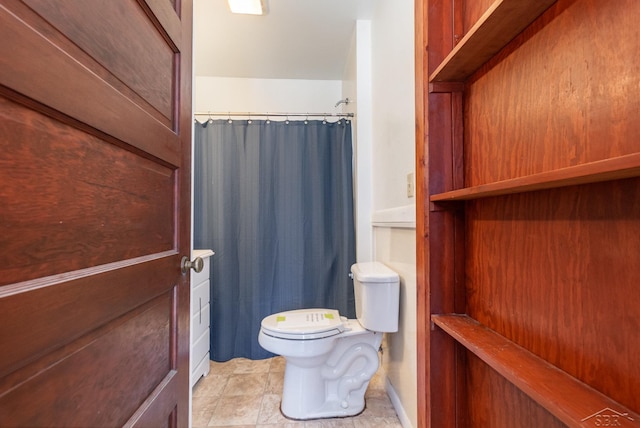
x=200 y=321
x=199 y=370
x=199 y=297
x=200 y=348
x=197 y=278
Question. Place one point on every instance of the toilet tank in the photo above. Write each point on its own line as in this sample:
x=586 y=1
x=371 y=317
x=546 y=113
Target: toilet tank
x=377 y=294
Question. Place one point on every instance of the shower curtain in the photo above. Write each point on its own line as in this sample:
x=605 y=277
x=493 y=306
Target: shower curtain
x=274 y=200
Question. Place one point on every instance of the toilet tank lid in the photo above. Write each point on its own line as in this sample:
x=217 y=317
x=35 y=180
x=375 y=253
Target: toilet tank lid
x=373 y=272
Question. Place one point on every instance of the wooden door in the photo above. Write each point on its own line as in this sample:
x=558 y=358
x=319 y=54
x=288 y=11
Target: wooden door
x=95 y=131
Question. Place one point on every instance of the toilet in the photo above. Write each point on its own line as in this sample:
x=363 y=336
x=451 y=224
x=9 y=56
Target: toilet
x=329 y=358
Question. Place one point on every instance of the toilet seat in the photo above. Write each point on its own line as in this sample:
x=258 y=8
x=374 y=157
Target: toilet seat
x=304 y=324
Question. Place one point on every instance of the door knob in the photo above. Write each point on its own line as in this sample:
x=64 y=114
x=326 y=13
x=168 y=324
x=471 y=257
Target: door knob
x=197 y=264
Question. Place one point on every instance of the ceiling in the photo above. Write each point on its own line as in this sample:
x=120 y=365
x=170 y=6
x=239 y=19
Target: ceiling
x=296 y=39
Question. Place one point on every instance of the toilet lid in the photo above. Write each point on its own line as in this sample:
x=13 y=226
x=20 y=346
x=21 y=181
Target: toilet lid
x=303 y=324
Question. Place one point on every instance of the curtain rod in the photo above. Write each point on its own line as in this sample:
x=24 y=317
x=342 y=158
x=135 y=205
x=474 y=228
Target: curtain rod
x=219 y=114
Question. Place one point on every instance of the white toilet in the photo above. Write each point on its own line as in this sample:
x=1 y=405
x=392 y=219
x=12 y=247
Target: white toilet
x=330 y=359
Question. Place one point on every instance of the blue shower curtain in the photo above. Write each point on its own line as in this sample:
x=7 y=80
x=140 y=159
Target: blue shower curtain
x=274 y=200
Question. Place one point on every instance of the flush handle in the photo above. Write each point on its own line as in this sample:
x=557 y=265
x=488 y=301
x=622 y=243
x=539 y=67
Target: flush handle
x=196 y=264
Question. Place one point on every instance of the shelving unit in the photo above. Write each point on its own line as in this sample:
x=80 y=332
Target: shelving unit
x=555 y=271
x=609 y=169
x=568 y=399
x=498 y=26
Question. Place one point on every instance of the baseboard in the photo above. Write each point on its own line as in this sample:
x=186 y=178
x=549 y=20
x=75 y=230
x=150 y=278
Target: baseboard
x=397 y=405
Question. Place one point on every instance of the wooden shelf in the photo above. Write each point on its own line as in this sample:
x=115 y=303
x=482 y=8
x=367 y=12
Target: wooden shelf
x=504 y=20
x=568 y=399
x=609 y=169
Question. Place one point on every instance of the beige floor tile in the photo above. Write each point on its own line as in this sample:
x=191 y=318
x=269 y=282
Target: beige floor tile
x=275 y=382
x=236 y=410
x=203 y=411
x=282 y=425
x=278 y=364
x=379 y=407
x=241 y=393
x=235 y=426
x=245 y=384
x=244 y=366
x=364 y=422
x=210 y=386
x=330 y=423
x=270 y=410
x=225 y=368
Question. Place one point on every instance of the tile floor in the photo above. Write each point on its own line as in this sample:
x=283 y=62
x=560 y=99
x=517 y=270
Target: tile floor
x=243 y=393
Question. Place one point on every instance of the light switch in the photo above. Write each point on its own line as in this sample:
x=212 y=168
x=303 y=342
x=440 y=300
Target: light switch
x=410 y=185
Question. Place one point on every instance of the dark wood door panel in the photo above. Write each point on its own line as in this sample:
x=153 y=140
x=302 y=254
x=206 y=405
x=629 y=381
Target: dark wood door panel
x=68 y=79
x=121 y=40
x=168 y=18
x=72 y=201
x=70 y=306
x=131 y=356
x=159 y=410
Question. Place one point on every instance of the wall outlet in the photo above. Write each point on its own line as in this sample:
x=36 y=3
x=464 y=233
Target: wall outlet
x=410 y=185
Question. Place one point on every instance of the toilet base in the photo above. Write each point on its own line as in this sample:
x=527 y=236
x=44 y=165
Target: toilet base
x=336 y=387
x=331 y=416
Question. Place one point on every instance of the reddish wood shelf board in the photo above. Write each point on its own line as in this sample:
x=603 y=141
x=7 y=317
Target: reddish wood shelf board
x=568 y=399
x=504 y=20
x=605 y=170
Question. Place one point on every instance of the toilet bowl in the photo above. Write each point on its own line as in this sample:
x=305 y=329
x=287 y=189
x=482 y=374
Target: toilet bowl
x=330 y=359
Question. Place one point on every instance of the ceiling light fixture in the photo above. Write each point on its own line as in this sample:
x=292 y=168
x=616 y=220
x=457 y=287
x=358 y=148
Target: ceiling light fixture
x=248 y=7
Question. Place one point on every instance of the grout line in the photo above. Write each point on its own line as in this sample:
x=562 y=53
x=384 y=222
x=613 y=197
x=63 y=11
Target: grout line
x=260 y=408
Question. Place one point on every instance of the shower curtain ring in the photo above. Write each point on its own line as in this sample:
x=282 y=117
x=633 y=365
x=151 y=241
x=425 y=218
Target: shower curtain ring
x=306 y=119
x=229 y=118
x=286 y=122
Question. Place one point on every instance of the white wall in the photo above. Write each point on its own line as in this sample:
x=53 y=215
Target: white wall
x=393 y=102
x=396 y=247
x=227 y=94
x=357 y=88
x=393 y=157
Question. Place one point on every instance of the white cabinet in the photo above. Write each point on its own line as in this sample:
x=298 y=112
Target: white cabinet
x=200 y=311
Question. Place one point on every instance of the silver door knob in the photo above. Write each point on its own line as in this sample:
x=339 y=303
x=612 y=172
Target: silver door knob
x=197 y=264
